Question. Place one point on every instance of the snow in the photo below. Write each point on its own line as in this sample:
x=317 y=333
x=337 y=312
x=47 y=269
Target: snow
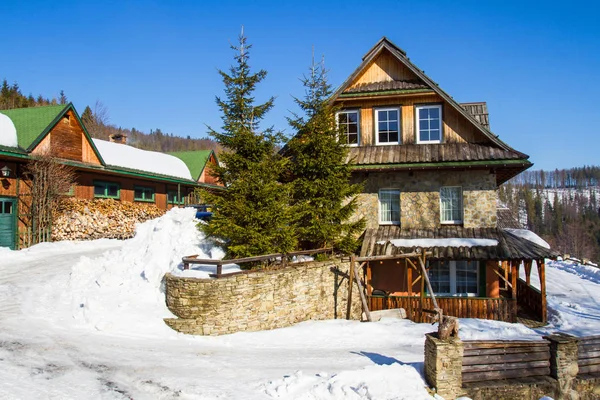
x=446 y=242
x=122 y=155
x=8 y=132
x=84 y=320
x=528 y=235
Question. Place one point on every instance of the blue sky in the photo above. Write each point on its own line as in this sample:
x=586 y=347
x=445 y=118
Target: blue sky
x=154 y=63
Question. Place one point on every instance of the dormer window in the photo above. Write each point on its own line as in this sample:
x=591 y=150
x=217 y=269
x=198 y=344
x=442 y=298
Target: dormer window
x=429 y=123
x=387 y=125
x=349 y=126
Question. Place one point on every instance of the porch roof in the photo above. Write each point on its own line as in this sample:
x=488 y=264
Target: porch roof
x=510 y=245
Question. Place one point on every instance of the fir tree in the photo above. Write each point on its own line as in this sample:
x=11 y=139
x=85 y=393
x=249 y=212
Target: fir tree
x=324 y=200
x=252 y=217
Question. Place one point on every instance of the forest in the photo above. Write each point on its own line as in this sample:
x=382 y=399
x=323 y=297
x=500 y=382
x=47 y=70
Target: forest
x=97 y=122
x=562 y=206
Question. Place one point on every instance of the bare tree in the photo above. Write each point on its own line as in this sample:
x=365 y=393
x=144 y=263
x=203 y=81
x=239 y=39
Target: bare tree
x=49 y=181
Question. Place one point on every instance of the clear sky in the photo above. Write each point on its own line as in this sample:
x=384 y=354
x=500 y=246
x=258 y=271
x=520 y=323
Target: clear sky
x=154 y=63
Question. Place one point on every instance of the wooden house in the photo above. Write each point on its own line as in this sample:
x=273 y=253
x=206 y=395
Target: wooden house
x=431 y=168
x=103 y=169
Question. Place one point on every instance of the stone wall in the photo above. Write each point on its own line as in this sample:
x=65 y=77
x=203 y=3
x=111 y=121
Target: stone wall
x=260 y=299
x=81 y=219
x=420 y=197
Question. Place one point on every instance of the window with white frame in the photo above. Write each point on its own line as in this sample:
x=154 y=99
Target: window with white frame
x=451 y=208
x=349 y=126
x=389 y=207
x=429 y=123
x=387 y=125
x=454 y=278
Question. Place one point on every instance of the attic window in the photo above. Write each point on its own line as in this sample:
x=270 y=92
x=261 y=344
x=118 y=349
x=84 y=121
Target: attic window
x=349 y=126
x=429 y=123
x=387 y=124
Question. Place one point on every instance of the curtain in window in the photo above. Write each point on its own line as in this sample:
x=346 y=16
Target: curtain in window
x=451 y=204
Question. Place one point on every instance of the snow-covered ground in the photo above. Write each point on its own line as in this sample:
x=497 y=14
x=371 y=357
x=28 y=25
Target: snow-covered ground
x=84 y=320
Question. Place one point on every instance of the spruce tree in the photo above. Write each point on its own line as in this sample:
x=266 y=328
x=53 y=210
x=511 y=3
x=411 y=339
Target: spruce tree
x=252 y=216
x=323 y=197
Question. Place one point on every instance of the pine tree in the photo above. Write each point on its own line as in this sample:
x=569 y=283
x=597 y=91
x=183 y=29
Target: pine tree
x=252 y=217
x=324 y=200
x=62 y=99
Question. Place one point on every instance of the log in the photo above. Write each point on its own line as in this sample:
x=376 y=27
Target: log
x=506 y=358
x=508 y=374
x=589 y=369
x=505 y=366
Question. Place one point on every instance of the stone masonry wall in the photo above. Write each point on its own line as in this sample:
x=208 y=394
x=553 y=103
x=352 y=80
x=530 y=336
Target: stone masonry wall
x=260 y=299
x=420 y=197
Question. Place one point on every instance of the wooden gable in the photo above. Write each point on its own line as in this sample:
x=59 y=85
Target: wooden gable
x=383 y=68
x=67 y=140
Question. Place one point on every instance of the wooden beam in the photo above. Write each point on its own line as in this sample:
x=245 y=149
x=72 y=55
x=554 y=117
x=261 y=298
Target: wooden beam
x=391 y=257
x=349 y=305
x=514 y=272
x=503 y=278
x=528 y=272
x=542 y=274
x=369 y=279
x=426 y=277
x=409 y=282
x=362 y=296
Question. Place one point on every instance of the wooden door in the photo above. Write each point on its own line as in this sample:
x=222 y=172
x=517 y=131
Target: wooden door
x=7 y=222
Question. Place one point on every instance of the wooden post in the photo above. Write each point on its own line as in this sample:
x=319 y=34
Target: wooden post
x=542 y=273
x=514 y=272
x=369 y=277
x=528 y=272
x=219 y=270
x=362 y=296
x=426 y=277
x=350 y=279
x=409 y=289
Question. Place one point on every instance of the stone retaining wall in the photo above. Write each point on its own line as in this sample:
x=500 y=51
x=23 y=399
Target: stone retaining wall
x=260 y=299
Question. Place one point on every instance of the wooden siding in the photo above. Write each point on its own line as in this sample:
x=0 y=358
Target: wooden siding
x=67 y=140
x=8 y=185
x=499 y=309
x=589 y=355
x=504 y=359
x=456 y=128
x=384 y=67
x=206 y=177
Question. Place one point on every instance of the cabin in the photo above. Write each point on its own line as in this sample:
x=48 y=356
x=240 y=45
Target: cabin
x=103 y=169
x=431 y=168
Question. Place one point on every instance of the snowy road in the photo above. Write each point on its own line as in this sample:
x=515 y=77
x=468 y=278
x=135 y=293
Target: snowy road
x=84 y=320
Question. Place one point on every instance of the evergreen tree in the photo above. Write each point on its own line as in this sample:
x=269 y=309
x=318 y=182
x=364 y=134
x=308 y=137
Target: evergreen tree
x=252 y=217
x=62 y=99
x=323 y=198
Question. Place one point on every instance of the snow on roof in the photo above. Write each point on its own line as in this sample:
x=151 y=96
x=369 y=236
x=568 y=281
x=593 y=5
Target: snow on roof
x=443 y=242
x=528 y=235
x=8 y=132
x=122 y=155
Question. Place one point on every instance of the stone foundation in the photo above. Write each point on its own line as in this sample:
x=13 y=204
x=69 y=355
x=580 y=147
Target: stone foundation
x=260 y=299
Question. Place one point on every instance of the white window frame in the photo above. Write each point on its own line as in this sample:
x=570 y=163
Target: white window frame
x=393 y=192
x=451 y=265
x=376 y=110
x=337 y=120
x=461 y=207
x=418 y=125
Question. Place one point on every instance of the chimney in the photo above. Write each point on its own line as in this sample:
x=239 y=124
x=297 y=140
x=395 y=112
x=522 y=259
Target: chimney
x=118 y=137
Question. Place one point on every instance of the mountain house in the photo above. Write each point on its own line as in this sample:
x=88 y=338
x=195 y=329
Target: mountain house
x=431 y=169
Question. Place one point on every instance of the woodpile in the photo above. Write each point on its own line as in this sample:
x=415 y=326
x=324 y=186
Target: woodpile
x=79 y=219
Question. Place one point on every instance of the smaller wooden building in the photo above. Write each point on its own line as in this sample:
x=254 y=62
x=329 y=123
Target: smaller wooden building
x=103 y=169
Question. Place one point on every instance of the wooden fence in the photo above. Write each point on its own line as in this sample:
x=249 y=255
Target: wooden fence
x=499 y=309
x=589 y=354
x=530 y=298
x=504 y=359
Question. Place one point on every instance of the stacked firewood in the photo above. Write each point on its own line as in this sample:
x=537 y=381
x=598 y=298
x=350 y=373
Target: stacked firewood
x=79 y=219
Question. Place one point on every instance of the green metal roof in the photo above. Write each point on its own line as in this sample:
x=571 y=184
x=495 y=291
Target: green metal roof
x=195 y=160
x=33 y=122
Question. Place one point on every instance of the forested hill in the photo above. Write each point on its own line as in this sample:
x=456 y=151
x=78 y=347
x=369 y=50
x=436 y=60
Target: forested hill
x=562 y=206
x=97 y=123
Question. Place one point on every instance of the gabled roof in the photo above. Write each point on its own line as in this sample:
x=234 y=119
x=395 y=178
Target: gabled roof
x=386 y=45
x=195 y=160
x=34 y=123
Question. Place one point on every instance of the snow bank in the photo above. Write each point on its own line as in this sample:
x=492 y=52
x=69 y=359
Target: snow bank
x=393 y=381
x=121 y=155
x=8 y=132
x=122 y=291
x=447 y=242
x=528 y=235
